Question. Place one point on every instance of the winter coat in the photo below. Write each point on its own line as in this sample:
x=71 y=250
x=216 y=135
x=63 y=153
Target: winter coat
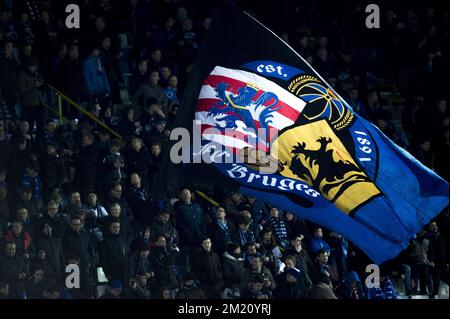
x=53 y=172
x=190 y=223
x=79 y=244
x=322 y=291
x=10 y=268
x=53 y=251
x=94 y=74
x=24 y=244
x=114 y=254
x=208 y=268
x=85 y=168
x=233 y=270
x=29 y=92
x=163 y=261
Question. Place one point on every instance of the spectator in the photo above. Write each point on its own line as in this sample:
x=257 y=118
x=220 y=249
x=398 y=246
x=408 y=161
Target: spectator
x=150 y=89
x=163 y=258
x=29 y=84
x=433 y=249
x=85 y=163
x=95 y=79
x=139 y=200
x=207 y=266
x=257 y=268
x=140 y=76
x=74 y=205
x=138 y=160
x=162 y=226
x=276 y=223
x=318 y=243
x=233 y=266
x=221 y=231
x=13 y=270
x=53 y=171
x=22 y=240
x=113 y=291
x=9 y=81
x=189 y=290
x=50 y=249
x=114 y=254
x=256 y=289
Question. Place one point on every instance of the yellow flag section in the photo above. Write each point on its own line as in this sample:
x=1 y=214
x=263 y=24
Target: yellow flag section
x=314 y=154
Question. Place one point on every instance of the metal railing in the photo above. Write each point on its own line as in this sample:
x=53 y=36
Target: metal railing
x=62 y=97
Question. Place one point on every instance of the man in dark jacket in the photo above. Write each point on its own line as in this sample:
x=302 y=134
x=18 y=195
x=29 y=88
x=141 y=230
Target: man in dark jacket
x=77 y=242
x=13 y=270
x=190 y=220
x=114 y=254
x=139 y=200
x=207 y=266
x=9 y=83
x=52 y=246
x=291 y=282
x=221 y=231
x=85 y=165
x=52 y=171
x=233 y=266
x=54 y=219
x=138 y=160
x=162 y=226
x=163 y=258
x=126 y=228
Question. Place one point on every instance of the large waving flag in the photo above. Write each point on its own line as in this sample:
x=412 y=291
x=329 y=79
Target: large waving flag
x=317 y=159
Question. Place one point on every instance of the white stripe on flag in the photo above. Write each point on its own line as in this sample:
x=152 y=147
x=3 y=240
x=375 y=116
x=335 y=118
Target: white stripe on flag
x=263 y=84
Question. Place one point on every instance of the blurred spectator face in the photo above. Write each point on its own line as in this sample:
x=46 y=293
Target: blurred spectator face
x=354 y=94
x=160 y=127
x=154 y=78
x=165 y=294
x=289 y=216
x=10 y=249
x=256 y=263
x=52 y=208
x=75 y=199
x=106 y=43
x=173 y=81
x=51 y=150
x=26 y=195
x=156 y=56
x=267 y=236
x=161 y=242
x=165 y=72
x=244 y=227
x=434 y=227
x=114 y=228
x=187 y=25
x=117 y=191
x=251 y=249
x=256 y=286
x=323 y=41
x=86 y=140
x=74 y=52
x=75 y=224
x=323 y=258
x=22 y=213
x=289 y=263
x=51 y=126
x=442 y=106
x=206 y=23
x=115 y=210
x=3 y=192
x=274 y=212
x=136 y=144
x=206 y=245
x=100 y=24
x=169 y=23
x=24 y=127
x=310 y=59
x=8 y=49
x=425 y=146
x=220 y=213
x=143 y=67
x=318 y=233
x=186 y=195
x=45 y=16
x=135 y=180
x=381 y=124
x=92 y=199
x=142 y=280
x=4 y=290
x=16 y=228
x=41 y=254
x=27 y=50
x=323 y=55
x=38 y=275
x=165 y=217
x=130 y=115
x=304 y=42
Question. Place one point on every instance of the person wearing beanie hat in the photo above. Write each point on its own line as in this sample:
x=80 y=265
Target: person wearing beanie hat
x=291 y=283
x=190 y=289
x=113 y=291
x=233 y=265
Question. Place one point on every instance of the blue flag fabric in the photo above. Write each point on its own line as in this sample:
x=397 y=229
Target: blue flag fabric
x=317 y=158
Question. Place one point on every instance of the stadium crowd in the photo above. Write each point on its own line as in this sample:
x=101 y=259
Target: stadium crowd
x=72 y=193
